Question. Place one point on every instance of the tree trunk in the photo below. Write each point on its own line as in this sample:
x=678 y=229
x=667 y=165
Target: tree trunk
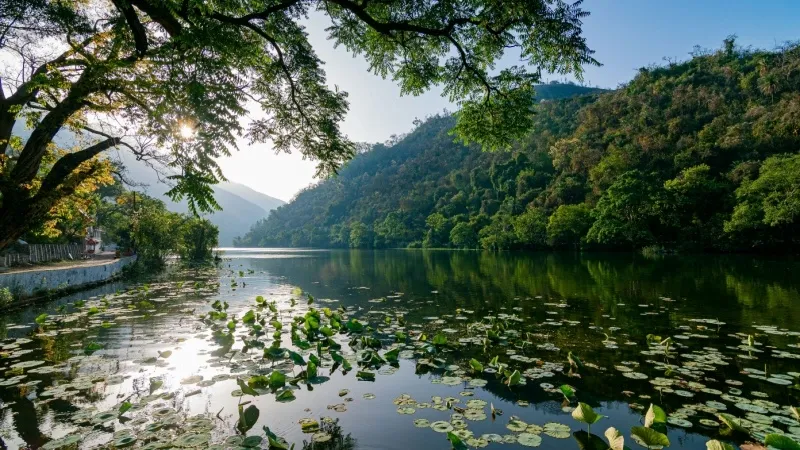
x=18 y=214
x=14 y=222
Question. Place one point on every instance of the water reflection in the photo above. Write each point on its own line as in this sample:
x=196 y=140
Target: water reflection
x=734 y=287
x=573 y=302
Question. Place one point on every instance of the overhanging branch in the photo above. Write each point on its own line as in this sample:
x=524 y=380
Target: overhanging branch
x=69 y=162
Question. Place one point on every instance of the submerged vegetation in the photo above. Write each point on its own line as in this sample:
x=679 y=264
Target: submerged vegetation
x=696 y=155
x=267 y=357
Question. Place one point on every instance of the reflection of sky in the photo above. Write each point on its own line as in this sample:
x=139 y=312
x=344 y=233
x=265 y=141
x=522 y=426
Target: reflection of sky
x=375 y=423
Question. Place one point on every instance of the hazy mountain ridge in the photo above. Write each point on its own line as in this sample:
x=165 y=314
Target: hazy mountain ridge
x=241 y=206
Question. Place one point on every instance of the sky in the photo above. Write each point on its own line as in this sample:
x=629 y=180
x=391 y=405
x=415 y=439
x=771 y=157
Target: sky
x=626 y=35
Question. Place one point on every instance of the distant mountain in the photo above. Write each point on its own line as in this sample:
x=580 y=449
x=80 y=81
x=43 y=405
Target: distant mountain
x=266 y=202
x=555 y=90
x=241 y=206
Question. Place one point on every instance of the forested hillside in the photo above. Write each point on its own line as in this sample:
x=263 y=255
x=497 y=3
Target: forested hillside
x=695 y=155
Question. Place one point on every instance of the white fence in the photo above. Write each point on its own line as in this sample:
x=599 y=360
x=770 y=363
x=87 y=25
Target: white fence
x=38 y=253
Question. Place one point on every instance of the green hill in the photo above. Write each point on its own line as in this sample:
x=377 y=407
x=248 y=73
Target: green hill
x=700 y=154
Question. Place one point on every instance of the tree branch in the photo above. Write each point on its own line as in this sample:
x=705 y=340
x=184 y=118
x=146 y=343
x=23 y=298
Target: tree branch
x=69 y=162
x=263 y=15
x=388 y=27
x=160 y=14
x=139 y=33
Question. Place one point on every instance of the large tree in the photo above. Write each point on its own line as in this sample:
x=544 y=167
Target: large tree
x=170 y=80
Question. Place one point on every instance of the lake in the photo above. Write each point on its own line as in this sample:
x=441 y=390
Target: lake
x=496 y=348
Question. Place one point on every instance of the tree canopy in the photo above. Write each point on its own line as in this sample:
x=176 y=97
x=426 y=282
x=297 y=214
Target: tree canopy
x=696 y=155
x=170 y=80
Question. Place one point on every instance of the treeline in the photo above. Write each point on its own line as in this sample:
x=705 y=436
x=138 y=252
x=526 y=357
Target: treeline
x=699 y=155
x=134 y=222
x=141 y=224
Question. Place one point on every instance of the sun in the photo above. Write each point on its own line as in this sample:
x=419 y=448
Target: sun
x=186 y=131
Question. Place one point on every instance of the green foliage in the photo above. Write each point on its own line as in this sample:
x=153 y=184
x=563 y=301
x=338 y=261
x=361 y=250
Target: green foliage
x=140 y=223
x=531 y=227
x=649 y=438
x=463 y=236
x=695 y=155
x=628 y=213
x=717 y=445
x=585 y=414
x=568 y=225
x=6 y=296
x=247 y=418
x=654 y=415
x=499 y=234
x=198 y=237
x=781 y=442
x=360 y=236
x=770 y=204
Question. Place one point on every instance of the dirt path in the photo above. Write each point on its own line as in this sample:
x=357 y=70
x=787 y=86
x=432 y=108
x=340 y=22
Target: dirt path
x=97 y=260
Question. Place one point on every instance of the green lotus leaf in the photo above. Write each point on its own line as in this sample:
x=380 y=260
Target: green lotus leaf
x=584 y=413
x=654 y=415
x=124 y=407
x=246 y=390
x=732 y=422
x=476 y=365
x=649 y=438
x=615 y=439
x=247 y=418
x=717 y=445
x=781 y=442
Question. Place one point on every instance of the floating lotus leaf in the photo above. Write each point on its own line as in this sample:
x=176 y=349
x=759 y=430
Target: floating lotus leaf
x=422 y=423
x=103 y=417
x=406 y=410
x=556 y=430
x=194 y=379
x=125 y=441
x=529 y=440
x=679 y=422
x=252 y=441
x=308 y=425
x=440 y=426
x=463 y=433
x=188 y=440
x=516 y=425
x=474 y=414
x=476 y=403
x=477 y=442
x=62 y=443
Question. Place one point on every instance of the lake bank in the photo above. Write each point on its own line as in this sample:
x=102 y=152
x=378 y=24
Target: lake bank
x=35 y=282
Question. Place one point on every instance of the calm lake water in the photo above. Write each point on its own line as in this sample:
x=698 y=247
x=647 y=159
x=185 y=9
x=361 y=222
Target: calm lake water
x=733 y=325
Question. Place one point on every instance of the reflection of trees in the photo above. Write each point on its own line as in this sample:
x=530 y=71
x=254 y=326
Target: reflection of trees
x=338 y=441
x=719 y=286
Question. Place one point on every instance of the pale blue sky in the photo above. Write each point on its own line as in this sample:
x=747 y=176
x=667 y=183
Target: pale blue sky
x=626 y=35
